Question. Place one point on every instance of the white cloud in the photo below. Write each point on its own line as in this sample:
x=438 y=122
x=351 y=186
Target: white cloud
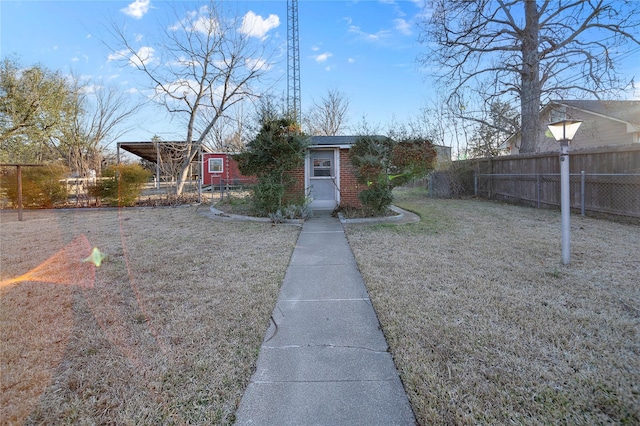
x=256 y=26
x=380 y=35
x=91 y=88
x=205 y=25
x=402 y=26
x=351 y=60
x=137 y=9
x=257 y=64
x=116 y=56
x=144 y=56
x=322 y=57
x=201 y=21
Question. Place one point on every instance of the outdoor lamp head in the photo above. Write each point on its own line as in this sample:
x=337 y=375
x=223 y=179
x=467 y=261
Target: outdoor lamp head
x=564 y=130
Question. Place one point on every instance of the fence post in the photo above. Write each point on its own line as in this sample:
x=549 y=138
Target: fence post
x=221 y=189
x=582 y=192
x=431 y=185
x=475 y=184
x=538 y=185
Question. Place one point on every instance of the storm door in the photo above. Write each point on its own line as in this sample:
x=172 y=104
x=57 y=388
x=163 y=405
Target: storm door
x=322 y=182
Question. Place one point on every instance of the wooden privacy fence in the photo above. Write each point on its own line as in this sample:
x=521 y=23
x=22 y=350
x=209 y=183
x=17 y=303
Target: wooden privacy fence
x=601 y=180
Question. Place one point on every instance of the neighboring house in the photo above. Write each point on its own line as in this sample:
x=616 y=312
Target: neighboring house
x=605 y=123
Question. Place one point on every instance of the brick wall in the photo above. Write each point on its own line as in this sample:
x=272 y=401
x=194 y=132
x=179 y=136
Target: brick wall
x=349 y=186
x=296 y=192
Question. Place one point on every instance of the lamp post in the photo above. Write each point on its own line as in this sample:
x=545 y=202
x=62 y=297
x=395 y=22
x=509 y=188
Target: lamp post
x=564 y=131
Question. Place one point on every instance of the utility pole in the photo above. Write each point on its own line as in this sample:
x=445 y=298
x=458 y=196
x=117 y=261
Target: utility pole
x=293 y=62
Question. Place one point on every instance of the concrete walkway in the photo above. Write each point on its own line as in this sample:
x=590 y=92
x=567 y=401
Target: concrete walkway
x=324 y=360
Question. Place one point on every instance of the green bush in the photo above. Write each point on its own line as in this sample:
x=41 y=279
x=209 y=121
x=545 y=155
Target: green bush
x=121 y=185
x=278 y=148
x=41 y=186
x=383 y=164
x=267 y=195
x=376 y=199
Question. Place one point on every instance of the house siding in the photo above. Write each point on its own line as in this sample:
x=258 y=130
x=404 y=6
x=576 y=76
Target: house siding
x=230 y=171
x=597 y=130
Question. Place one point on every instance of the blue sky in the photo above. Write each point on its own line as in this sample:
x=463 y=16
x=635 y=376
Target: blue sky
x=365 y=49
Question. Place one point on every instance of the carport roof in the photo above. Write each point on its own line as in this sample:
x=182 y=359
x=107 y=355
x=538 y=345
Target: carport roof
x=147 y=149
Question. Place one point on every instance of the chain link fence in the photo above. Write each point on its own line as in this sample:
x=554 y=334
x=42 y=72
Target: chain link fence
x=610 y=193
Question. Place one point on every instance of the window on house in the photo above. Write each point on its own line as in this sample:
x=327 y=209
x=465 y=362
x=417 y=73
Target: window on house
x=558 y=113
x=215 y=165
x=321 y=167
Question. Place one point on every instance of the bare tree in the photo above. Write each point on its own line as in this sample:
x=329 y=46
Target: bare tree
x=97 y=119
x=327 y=117
x=205 y=62
x=531 y=50
x=230 y=132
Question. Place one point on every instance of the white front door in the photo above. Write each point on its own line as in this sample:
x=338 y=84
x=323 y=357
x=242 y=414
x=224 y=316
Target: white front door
x=322 y=182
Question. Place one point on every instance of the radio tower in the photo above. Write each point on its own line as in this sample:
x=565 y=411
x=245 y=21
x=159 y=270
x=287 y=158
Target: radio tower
x=293 y=61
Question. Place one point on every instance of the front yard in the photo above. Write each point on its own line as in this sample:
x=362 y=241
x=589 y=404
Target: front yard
x=166 y=331
x=487 y=326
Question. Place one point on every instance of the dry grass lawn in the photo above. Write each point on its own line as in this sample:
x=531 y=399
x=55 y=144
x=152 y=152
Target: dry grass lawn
x=487 y=326
x=166 y=331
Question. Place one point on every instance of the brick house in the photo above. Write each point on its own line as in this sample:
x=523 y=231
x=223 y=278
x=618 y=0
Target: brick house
x=328 y=178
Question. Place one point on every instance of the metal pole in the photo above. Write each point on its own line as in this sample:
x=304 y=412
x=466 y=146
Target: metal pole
x=565 y=206
x=538 y=191
x=157 y=144
x=431 y=185
x=582 y=192
x=19 y=173
x=475 y=184
x=201 y=173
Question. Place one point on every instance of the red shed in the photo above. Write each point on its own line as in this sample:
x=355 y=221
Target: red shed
x=220 y=168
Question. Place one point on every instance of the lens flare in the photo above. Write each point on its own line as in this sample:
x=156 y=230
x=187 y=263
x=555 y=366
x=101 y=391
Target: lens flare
x=65 y=267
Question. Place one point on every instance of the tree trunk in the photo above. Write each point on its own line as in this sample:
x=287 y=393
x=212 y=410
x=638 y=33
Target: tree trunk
x=185 y=168
x=530 y=80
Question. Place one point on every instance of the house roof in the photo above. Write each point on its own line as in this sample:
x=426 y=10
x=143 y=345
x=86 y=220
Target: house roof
x=343 y=141
x=627 y=111
x=332 y=140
